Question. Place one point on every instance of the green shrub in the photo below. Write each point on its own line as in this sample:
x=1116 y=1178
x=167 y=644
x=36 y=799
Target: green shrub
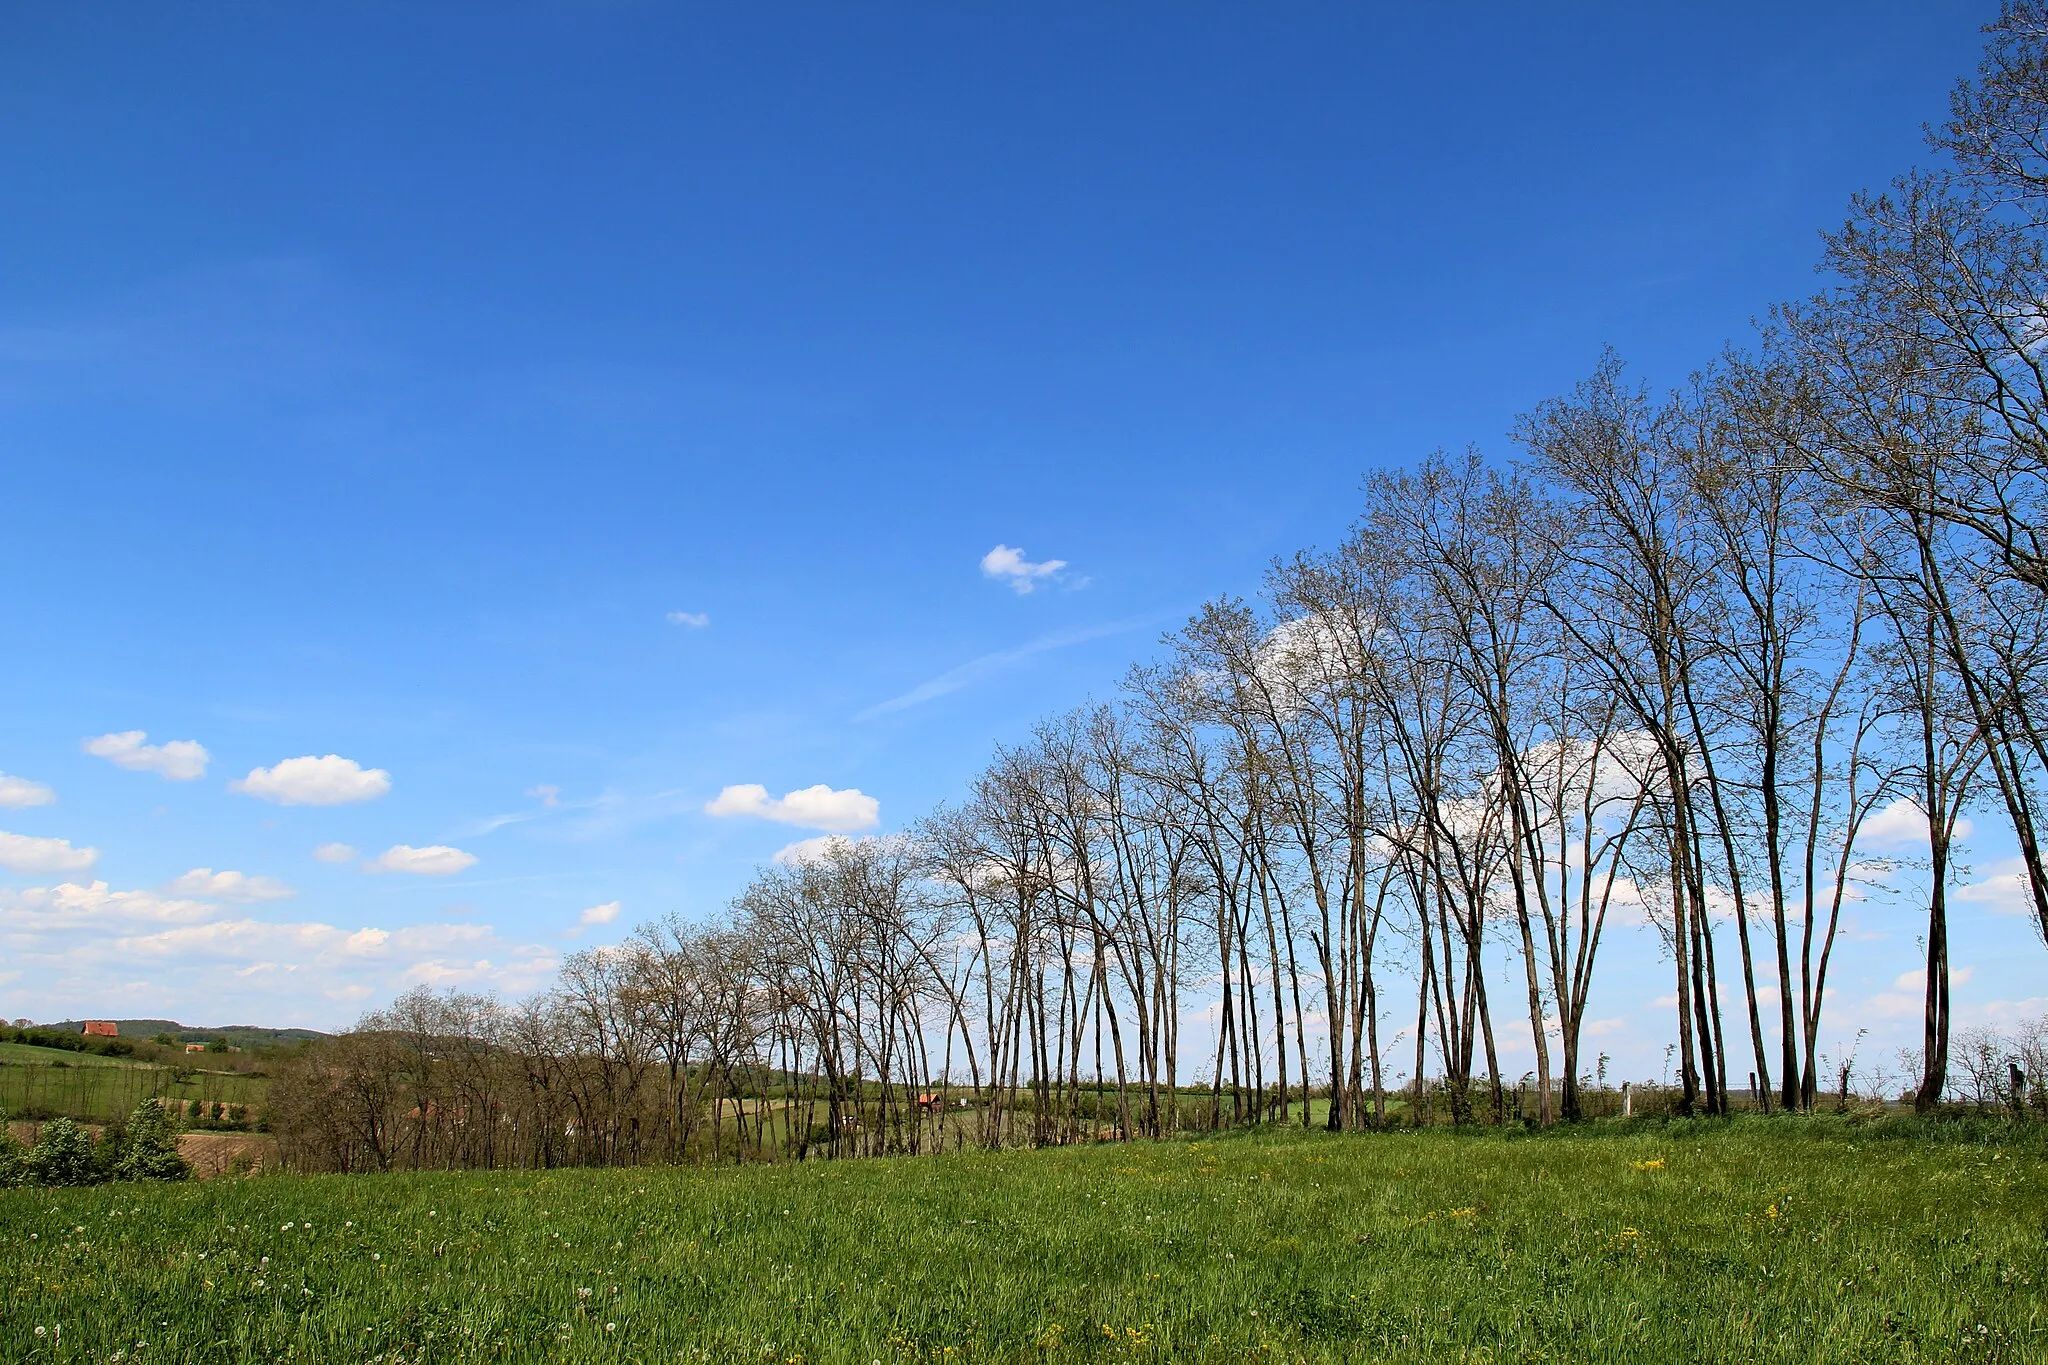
x=149 y=1150
x=13 y=1159
x=64 y=1155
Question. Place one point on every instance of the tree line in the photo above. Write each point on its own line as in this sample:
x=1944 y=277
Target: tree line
x=1670 y=662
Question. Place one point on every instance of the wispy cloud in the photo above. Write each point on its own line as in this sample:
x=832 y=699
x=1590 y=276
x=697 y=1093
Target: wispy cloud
x=695 y=620
x=551 y=802
x=988 y=665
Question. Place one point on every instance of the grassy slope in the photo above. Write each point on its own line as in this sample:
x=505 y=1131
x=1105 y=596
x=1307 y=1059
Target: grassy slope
x=27 y=1054
x=1761 y=1242
x=100 y=1089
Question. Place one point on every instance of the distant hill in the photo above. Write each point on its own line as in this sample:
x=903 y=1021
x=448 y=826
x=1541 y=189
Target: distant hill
x=238 y=1035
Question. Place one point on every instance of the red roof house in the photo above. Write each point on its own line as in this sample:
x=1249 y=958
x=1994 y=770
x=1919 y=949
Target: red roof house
x=101 y=1028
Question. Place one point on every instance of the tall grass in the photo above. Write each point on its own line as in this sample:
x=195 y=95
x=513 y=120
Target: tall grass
x=1750 y=1240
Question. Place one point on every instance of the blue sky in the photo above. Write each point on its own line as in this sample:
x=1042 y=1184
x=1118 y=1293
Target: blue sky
x=382 y=381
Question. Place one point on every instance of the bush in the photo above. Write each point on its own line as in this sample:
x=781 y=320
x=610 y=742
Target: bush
x=64 y=1155
x=149 y=1150
x=13 y=1159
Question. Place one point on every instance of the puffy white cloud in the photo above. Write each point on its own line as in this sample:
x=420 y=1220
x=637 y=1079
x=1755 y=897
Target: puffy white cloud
x=599 y=914
x=807 y=850
x=1907 y=997
x=177 y=760
x=18 y=793
x=336 y=853
x=695 y=620
x=2004 y=891
x=825 y=846
x=70 y=905
x=26 y=853
x=310 y=781
x=229 y=886
x=817 y=807
x=435 y=860
x=1008 y=565
x=1916 y=980
x=1902 y=824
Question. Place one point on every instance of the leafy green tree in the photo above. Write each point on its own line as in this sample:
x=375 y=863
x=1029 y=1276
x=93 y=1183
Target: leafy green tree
x=63 y=1155
x=217 y=1045
x=149 y=1149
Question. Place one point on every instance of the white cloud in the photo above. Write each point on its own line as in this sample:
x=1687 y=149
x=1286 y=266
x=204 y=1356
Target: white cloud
x=807 y=850
x=17 y=793
x=550 y=797
x=1916 y=980
x=2006 y=891
x=2006 y=1013
x=1903 y=823
x=177 y=760
x=25 y=853
x=817 y=807
x=596 y=914
x=266 y=941
x=825 y=845
x=1907 y=997
x=309 y=781
x=336 y=853
x=435 y=860
x=73 y=948
x=73 y=906
x=229 y=886
x=1007 y=565
x=695 y=620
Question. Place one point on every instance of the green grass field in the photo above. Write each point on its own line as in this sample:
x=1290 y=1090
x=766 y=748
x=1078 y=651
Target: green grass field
x=26 y=1054
x=1764 y=1240
x=103 y=1089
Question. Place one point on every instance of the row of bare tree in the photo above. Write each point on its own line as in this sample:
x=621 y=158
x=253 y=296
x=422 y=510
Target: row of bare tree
x=1668 y=664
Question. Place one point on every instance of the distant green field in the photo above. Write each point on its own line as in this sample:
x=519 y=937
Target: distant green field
x=26 y=1054
x=102 y=1089
x=1757 y=1240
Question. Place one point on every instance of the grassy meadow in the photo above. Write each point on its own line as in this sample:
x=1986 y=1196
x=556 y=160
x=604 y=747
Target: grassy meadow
x=96 y=1089
x=1756 y=1240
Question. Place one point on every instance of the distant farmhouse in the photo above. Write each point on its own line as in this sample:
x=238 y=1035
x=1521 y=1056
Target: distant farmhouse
x=101 y=1028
